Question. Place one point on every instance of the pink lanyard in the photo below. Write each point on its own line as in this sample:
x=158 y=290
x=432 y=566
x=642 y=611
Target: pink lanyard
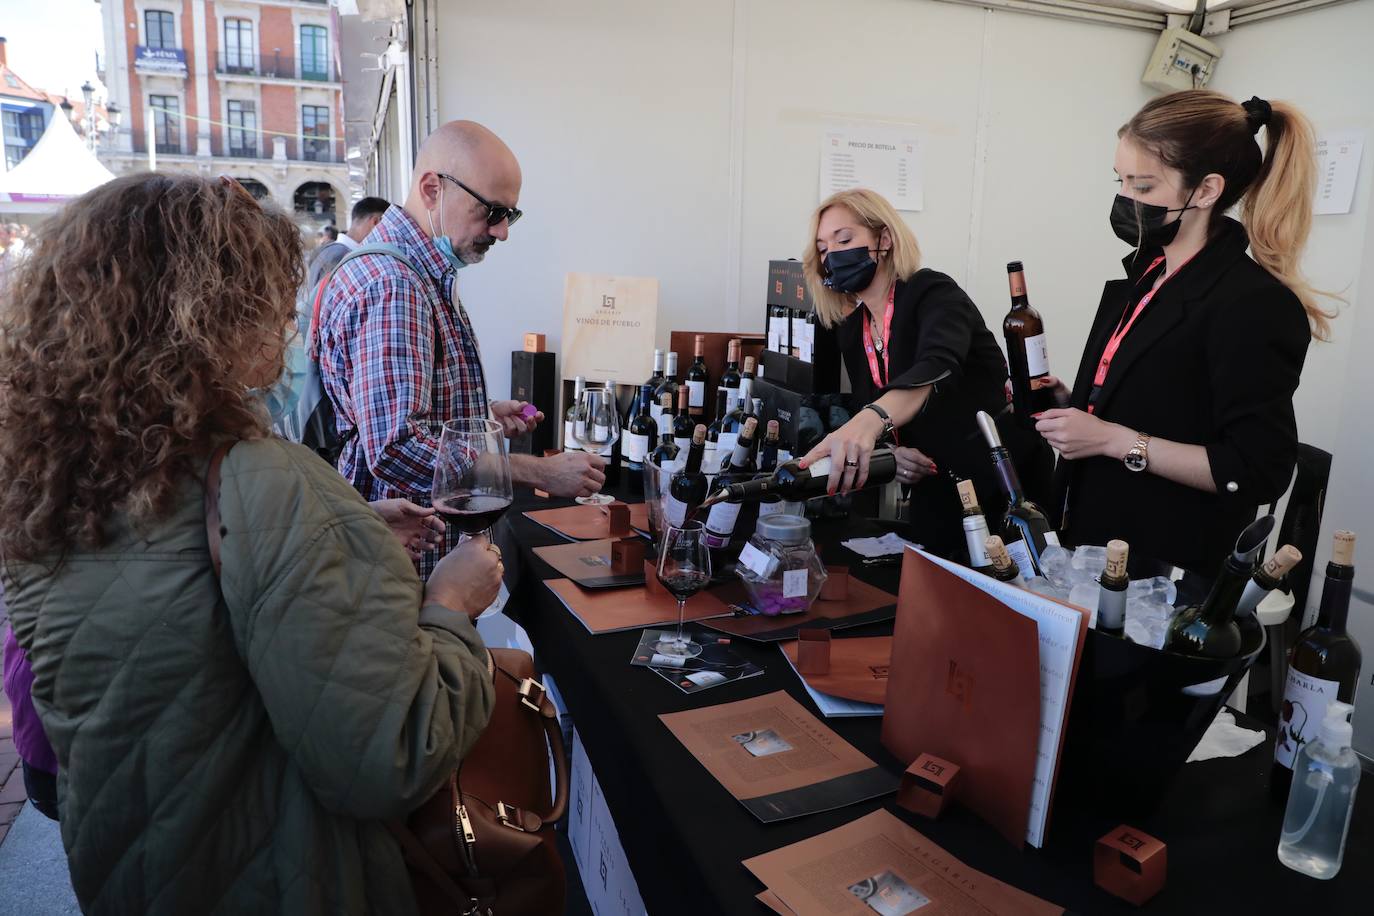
x=1114 y=342
x=877 y=348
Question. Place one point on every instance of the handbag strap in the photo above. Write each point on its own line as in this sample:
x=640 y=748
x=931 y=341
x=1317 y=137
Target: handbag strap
x=548 y=713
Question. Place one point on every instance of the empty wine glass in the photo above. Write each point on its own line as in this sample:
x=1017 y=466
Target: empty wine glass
x=684 y=568
x=596 y=431
x=472 y=486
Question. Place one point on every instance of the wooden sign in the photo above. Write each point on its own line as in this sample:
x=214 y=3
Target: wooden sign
x=608 y=327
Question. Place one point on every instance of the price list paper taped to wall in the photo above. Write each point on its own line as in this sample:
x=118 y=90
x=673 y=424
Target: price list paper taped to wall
x=608 y=326
x=881 y=159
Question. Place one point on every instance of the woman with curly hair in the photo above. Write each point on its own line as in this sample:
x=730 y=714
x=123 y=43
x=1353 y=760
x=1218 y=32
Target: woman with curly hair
x=226 y=743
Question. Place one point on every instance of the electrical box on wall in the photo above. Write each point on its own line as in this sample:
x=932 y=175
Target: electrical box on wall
x=1181 y=60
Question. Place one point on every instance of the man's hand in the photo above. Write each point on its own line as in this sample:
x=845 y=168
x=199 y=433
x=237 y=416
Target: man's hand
x=516 y=417
x=572 y=474
x=418 y=528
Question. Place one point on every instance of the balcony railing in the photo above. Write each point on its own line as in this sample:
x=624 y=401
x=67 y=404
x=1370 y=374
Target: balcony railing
x=243 y=152
x=273 y=65
x=168 y=149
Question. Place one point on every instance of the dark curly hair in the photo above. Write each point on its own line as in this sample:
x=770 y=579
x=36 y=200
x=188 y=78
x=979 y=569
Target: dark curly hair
x=126 y=340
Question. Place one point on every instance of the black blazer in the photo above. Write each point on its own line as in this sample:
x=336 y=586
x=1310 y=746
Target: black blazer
x=939 y=338
x=1213 y=360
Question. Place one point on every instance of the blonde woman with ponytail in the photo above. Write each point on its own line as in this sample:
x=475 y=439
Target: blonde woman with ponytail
x=1180 y=422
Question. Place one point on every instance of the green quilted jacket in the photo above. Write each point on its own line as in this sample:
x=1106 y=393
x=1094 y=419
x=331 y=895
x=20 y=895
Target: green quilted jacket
x=236 y=749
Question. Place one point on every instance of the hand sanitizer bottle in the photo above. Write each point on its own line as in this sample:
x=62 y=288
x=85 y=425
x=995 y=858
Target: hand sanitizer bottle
x=1325 y=775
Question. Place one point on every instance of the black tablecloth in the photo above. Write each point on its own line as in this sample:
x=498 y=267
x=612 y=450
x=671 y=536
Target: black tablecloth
x=685 y=836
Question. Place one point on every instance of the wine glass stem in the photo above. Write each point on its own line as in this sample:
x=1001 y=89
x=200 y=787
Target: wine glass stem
x=681 y=612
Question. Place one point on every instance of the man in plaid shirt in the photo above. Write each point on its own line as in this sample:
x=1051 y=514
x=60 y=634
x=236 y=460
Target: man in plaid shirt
x=398 y=357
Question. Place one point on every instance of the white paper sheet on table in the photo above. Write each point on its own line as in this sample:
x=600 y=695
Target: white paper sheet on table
x=831 y=706
x=1058 y=628
x=884 y=546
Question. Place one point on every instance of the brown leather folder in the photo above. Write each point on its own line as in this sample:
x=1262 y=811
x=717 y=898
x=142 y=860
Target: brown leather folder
x=613 y=610
x=863 y=604
x=591 y=564
x=964 y=684
x=587 y=523
x=858 y=668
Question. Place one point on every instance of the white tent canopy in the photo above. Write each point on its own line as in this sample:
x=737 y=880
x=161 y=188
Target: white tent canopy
x=58 y=168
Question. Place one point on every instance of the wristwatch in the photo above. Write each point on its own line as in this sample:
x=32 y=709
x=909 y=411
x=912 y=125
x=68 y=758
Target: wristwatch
x=888 y=427
x=1138 y=458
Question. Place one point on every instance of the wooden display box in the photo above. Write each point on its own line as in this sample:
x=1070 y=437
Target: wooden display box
x=684 y=344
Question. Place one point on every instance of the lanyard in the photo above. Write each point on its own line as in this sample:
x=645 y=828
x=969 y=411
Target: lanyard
x=1122 y=328
x=878 y=348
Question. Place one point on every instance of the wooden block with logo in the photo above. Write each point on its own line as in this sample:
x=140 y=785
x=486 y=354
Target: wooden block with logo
x=1130 y=864
x=928 y=785
x=813 y=651
x=535 y=343
x=619 y=516
x=626 y=555
x=836 y=585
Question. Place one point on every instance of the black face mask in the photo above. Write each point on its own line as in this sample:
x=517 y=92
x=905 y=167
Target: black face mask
x=1143 y=225
x=849 y=270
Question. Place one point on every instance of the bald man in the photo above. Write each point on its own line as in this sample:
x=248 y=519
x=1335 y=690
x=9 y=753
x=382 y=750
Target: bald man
x=398 y=357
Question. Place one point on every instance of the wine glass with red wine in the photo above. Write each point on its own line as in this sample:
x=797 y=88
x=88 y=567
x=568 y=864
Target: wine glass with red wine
x=472 y=488
x=684 y=568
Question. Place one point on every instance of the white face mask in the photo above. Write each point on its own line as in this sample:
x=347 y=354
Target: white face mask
x=441 y=241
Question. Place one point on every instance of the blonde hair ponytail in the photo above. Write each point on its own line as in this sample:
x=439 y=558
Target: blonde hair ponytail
x=1277 y=211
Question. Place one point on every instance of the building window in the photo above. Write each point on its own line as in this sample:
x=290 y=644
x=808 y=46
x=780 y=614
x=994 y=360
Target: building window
x=238 y=46
x=158 y=29
x=314 y=52
x=243 y=129
x=166 y=122
x=315 y=131
x=22 y=128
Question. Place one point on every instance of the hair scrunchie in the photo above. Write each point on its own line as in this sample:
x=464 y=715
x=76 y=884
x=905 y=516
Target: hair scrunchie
x=1257 y=113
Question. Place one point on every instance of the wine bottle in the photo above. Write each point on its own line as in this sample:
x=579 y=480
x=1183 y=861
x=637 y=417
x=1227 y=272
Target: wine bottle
x=683 y=424
x=640 y=436
x=975 y=527
x=1024 y=526
x=572 y=423
x=1267 y=578
x=808 y=342
x=697 y=378
x=793 y=482
x=1004 y=568
x=1324 y=665
x=730 y=379
x=743 y=404
x=1209 y=629
x=778 y=329
x=717 y=451
x=667 y=452
x=1113 y=584
x=1027 y=355
x=669 y=383
x=720 y=523
x=768 y=463
x=654 y=381
x=798 y=329
x=688 y=488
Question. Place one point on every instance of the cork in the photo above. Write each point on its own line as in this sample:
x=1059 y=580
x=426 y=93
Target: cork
x=1117 y=552
x=997 y=553
x=968 y=496
x=773 y=428
x=1277 y=566
x=1343 y=548
x=666 y=401
x=699 y=435
x=749 y=364
x=751 y=426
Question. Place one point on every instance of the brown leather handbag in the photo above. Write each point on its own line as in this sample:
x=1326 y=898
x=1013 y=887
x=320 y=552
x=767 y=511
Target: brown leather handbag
x=479 y=847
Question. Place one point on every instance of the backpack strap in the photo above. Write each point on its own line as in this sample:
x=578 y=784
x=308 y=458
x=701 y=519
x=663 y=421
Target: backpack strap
x=375 y=248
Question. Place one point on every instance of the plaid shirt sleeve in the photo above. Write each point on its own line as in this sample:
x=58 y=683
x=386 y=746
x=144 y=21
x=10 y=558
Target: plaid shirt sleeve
x=393 y=367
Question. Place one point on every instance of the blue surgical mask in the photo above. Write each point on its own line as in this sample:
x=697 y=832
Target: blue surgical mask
x=443 y=242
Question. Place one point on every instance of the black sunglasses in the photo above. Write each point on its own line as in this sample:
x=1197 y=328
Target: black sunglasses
x=495 y=212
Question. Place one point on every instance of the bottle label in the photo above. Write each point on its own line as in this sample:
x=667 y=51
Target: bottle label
x=674 y=511
x=1111 y=609
x=1037 y=356
x=579 y=430
x=796 y=583
x=568 y=429
x=683 y=443
x=601 y=432
x=1304 y=707
x=696 y=394
x=1020 y=553
x=709 y=462
x=720 y=524
x=636 y=447
x=656 y=412
x=725 y=445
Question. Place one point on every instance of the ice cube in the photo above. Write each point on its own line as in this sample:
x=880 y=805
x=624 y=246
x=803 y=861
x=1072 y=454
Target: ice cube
x=1152 y=618
x=1056 y=562
x=1091 y=558
x=1159 y=588
x=1085 y=595
x=1042 y=586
